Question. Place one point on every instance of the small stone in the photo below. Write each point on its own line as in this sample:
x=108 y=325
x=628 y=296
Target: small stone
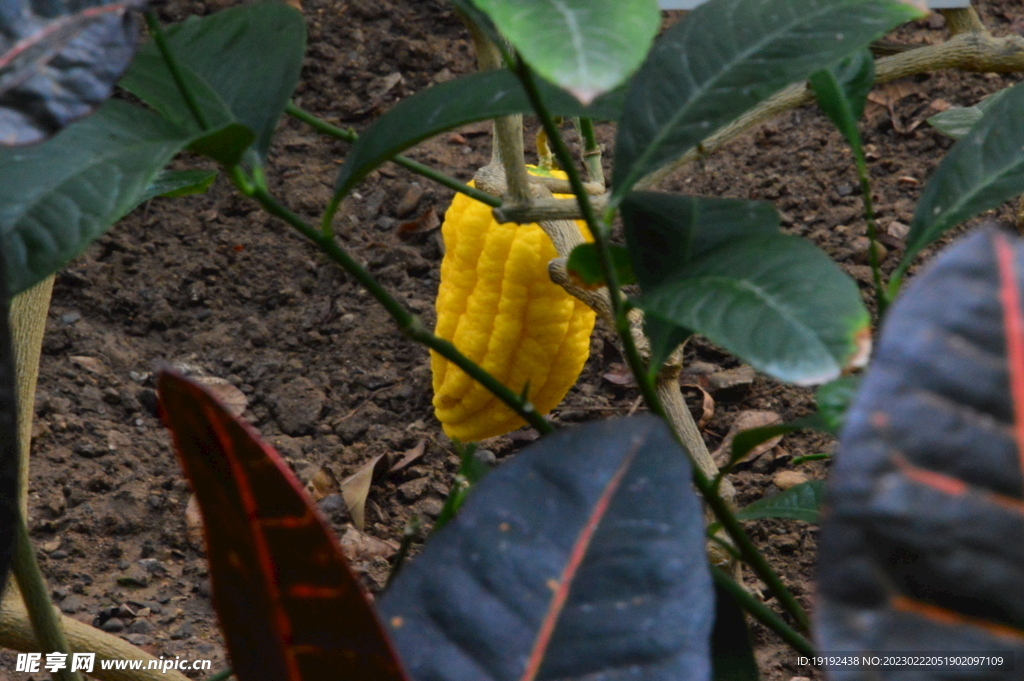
x=298 y=405
x=69 y=318
x=786 y=479
x=862 y=247
x=429 y=507
x=409 y=202
x=413 y=490
x=786 y=543
x=137 y=639
x=332 y=504
x=112 y=625
x=59 y=555
x=184 y=631
x=731 y=384
x=897 y=229
x=153 y=566
x=844 y=189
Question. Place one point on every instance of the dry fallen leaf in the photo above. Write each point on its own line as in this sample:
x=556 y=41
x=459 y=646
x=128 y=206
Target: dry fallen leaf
x=356 y=488
x=361 y=547
x=746 y=420
x=426 y=222
x=233 y=399
x=707 y=410
x=90 y=364
x=322 y=484
x=410 y=456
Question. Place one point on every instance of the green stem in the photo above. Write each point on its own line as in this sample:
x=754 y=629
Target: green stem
x=49 y=634
x=762 y=613
x=881 y=293
x=415 y=166
x=600 y=232
x=172 y=65
x=407 y=322
x=591 y=150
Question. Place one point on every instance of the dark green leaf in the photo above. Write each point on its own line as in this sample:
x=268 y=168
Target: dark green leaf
x=800 y=502
x=441 y=107
x=834 y=399
x=981 y=171
x=842 y=92
x=664 y=338
x=774 y=300
x=732 y=656
x=248 y=56
x=584 y=264
x=59 y=196
x=726 y=56
x=225 y=145
x=602 y=516
x=920 y=549
x=175 y=183
x=587 y=47
x=958 y=121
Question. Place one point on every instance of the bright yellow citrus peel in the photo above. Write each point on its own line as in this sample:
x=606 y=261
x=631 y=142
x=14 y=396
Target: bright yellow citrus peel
x=498 y=306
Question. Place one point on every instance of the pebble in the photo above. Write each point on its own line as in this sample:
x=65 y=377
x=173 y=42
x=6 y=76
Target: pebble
x=409 y=202
x=112 y=625
x=72 y=604
x=786 y=479
x=413 y=490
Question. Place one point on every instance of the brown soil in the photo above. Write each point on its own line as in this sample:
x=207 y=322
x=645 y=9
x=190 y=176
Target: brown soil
x=211 y=284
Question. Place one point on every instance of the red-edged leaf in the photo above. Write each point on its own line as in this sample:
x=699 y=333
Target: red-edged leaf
x=582 y=558
x=289 y=606
x=56 y=66
x=921 y=549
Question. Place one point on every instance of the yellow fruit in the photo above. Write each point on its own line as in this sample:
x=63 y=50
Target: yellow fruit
x=500 y=309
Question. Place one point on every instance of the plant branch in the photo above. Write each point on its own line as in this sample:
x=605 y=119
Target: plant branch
x=591 y=151
x=762 y=613
x=970 y=51
x=408 y=323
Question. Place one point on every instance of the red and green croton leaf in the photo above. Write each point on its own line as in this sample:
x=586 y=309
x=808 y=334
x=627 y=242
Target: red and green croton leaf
x=290 y=608
x=923 y=544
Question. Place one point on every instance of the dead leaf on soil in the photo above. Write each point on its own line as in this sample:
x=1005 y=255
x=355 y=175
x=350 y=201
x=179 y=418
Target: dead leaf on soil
x=707 y=402
x=360 y=547
x=322 y=484
x=90 y=364
x=426 y=222
x=747 y=420
x=410 y=456
x=356 y=488
x=233 y=399
x=193 y=522
x=619 y=374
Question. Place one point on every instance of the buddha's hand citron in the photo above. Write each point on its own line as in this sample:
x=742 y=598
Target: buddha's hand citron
x=498 y=306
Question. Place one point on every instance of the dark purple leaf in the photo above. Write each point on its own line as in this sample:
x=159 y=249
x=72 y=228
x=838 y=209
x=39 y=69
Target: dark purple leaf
x=59 y=61
x=583 y=557
x=921 y=549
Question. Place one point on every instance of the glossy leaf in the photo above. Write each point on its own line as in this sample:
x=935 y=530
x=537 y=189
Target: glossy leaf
x=587 y=47
x=833 y=400
x=9 y=449
x=224 y=145
x=248 y=57
x=983 y=169
x=774 y=300
x=800 y=502
x=581 y=557
x=175 y=183
x=441 y=107
x=842 y=91
x=958 y=120
x=726 y=56
x=59 y=61
x=59 y=196
x=920 y=550
x=732 y=656
x=289 y=607
x=583 y=263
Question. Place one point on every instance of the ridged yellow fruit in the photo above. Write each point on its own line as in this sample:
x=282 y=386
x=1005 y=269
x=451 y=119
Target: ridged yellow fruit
x=498 y=306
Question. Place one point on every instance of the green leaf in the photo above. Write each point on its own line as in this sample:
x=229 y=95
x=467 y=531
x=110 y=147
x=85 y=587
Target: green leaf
x=725 y=57
x=958 y=121
x=441 y=107
x=59 y=196
x=719 y=268
x=834 y=399
x=175 y=183
x=585 y=46
x=732 y=656
x=981 y=171
x=842 y=92
x=800 y=502
x=584 y=264
x=248 y=57
x=224 y=145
